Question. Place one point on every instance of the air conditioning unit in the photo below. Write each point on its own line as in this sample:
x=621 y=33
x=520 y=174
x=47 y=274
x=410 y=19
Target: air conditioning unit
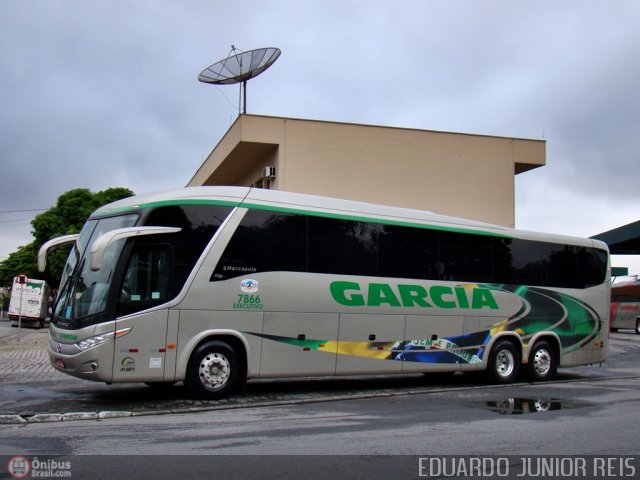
x=269 y=172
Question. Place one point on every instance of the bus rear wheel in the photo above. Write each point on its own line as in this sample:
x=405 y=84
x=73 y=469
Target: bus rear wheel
x=504 y=362
x=213 y=371
x=542 y=364
x=638 y=326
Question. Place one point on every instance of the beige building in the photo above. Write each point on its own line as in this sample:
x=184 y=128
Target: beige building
x=464 y=175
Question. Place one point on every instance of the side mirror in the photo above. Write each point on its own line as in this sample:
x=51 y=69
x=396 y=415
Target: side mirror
x=46 y=246
x=100 y=244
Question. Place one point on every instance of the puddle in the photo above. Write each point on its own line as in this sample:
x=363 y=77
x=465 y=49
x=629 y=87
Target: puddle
x=520 y=406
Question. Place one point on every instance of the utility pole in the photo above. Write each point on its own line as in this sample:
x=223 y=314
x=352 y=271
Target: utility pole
x=22 y=281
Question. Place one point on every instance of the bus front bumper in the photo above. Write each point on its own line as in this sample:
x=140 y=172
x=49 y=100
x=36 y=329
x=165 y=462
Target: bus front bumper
x=92 y=364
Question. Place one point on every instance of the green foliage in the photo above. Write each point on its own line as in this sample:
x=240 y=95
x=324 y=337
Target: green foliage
x=20 y=261
x=68 y=216
x=4 y=298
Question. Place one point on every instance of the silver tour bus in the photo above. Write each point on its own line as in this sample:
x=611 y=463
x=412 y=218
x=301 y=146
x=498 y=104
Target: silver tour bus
x=213 y=286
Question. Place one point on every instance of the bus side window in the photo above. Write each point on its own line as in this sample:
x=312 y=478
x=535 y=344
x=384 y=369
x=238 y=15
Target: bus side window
x=343 y=247
x=405 y=252
x=265 y=241
x=464 y=257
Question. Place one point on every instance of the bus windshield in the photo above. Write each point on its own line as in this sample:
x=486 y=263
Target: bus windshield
x=84 y=292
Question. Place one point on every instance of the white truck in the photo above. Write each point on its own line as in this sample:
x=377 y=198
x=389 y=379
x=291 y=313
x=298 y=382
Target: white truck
x=29 y=302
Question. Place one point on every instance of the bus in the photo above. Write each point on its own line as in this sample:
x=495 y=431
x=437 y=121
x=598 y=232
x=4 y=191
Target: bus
x=625 y=306
x=214 y=286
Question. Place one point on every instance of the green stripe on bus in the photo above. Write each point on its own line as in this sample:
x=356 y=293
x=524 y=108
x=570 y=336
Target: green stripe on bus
x=293 y=210
x=383 y=221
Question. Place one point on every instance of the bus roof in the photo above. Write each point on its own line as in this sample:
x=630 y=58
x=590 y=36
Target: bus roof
x=622 y=287
x=327 y=206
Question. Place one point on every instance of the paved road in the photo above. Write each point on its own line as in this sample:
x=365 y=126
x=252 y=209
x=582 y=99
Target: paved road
x=7 y=330
x=567 y=417
x=365 y=438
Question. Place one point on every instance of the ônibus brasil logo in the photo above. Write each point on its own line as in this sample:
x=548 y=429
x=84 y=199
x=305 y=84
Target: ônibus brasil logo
x=19 y=467
x=22 y=467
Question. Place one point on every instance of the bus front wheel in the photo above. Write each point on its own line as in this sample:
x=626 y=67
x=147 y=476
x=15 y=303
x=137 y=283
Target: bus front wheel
x=213 y=371
x=504 y=362
x=638 y=326
x=542 y=364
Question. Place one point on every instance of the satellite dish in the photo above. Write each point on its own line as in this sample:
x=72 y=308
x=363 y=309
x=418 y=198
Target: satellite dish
x=239 y=68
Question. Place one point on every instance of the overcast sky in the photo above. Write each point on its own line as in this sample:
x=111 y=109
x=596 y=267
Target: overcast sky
x=104 y=93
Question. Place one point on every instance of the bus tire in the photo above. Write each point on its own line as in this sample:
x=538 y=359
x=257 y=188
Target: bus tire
x=542 y=364
x=213 y=371
x=638 y=326
x=504 y=362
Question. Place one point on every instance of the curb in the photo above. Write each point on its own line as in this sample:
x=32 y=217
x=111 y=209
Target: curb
x=62 y=417
x=12 y=419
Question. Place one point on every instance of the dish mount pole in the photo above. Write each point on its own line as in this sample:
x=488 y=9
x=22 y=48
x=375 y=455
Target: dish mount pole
x=243 y=87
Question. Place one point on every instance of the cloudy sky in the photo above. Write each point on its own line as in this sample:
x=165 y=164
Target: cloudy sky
x=104 y=93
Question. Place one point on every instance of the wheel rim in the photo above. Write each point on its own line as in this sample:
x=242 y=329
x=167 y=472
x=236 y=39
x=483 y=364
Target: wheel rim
x=505 y=363
x=214 y=371
x=505 y=407
x=542 y=362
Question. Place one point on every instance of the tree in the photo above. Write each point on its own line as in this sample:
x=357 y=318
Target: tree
x=68 y=216
x=20 y=261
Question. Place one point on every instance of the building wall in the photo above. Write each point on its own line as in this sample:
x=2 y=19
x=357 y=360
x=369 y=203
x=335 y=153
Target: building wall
x=464 y=175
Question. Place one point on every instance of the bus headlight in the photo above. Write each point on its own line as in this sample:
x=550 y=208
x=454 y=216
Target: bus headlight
x=96 y=340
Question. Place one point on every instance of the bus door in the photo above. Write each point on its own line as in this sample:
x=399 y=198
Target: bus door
x=140 y=350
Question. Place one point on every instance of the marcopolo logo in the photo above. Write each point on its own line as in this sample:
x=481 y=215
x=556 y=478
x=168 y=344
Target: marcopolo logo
x=352 y=294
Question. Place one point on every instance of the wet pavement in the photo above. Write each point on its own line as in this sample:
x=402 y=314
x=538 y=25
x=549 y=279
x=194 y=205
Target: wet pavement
x=33 y=391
